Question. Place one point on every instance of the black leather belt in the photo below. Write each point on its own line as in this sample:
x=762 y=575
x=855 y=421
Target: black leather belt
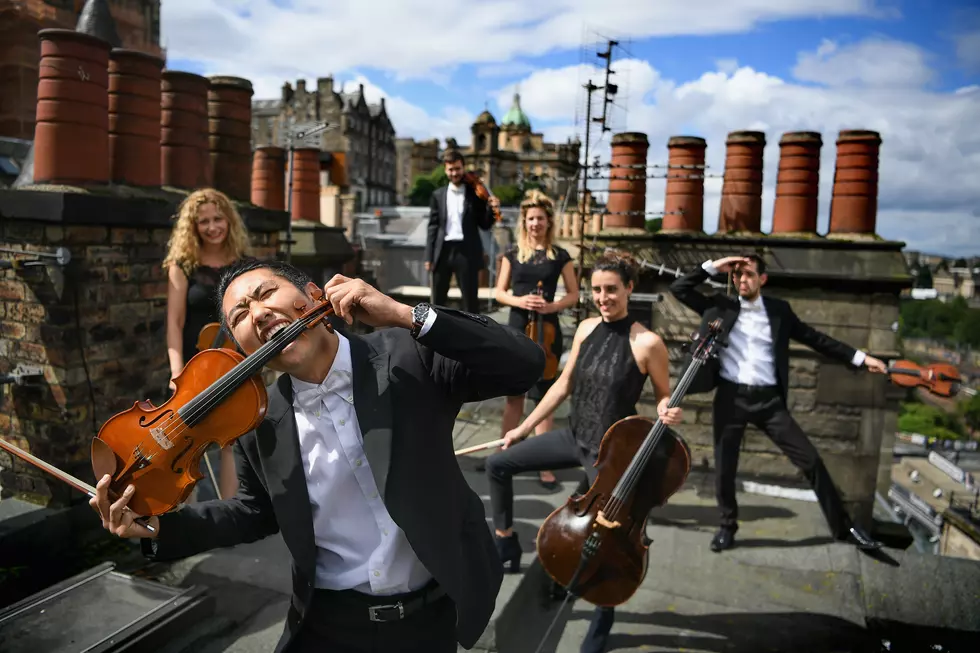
x=379 y=609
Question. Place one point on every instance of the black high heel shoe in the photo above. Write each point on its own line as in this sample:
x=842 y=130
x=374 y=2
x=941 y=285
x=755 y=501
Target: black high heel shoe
x=509 y=550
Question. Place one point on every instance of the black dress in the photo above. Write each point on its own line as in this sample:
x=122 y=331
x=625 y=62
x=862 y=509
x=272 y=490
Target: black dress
x=202 y=307
x=524 y=278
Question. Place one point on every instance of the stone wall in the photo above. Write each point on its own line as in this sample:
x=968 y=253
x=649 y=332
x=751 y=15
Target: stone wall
x=849 y=415
x=96 y=328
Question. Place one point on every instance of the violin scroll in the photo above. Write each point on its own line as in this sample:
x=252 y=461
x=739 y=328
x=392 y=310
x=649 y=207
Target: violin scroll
x=320 y=301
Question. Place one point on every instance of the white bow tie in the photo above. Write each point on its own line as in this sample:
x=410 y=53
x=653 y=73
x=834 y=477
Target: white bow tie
x=337 y=381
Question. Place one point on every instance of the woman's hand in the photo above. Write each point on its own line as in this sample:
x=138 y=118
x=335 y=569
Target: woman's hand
x=513 y=437
x=532 y=302
x=669 y=416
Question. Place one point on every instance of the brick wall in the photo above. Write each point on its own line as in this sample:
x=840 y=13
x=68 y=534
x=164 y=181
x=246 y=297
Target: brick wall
x=95 y=327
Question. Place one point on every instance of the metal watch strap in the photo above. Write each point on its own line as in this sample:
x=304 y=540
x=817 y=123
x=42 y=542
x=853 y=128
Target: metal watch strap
x=419 y=314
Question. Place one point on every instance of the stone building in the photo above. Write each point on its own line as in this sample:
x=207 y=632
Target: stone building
x=413 y=158
x=510 y=152
x=361 y=132
x=137 y=25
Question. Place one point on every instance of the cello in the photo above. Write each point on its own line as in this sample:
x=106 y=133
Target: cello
x=543 y=333
x=220 y=397
x=595 y=545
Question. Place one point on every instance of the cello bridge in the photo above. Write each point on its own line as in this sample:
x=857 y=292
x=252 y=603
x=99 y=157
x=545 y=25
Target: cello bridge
x=602 y=521
x=161 y=438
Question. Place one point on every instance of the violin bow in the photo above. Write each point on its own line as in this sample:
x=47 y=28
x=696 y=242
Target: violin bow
x=479 y=447
x=76 y=483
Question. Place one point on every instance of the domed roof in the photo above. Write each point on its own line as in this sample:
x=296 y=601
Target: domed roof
x=515 y=116
x=485 y=118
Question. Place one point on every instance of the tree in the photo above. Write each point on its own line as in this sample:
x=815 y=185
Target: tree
x=654 y=225
x=425 y=185
x=508 y=194
x=932 y=422
x=970 y=411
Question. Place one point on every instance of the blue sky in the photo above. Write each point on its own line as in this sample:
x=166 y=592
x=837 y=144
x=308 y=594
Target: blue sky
x=908 y=68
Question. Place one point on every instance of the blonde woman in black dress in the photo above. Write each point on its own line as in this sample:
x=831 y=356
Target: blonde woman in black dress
x=535 y=259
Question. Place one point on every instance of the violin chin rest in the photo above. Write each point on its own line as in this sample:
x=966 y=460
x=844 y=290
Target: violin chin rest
x=103 y=459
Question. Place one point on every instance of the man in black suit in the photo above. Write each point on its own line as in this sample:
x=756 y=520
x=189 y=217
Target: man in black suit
x=453 y=245
x=752 y=380
x=353 y=463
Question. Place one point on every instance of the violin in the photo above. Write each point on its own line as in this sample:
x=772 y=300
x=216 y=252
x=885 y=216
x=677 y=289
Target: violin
x=543 y=333
x=471 y=179
x=938 y=378
x=220 y=396
x=595 y=545
x=212 y=336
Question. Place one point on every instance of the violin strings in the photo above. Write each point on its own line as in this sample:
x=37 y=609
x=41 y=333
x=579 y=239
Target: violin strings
x=216 y=395
x=638 y=466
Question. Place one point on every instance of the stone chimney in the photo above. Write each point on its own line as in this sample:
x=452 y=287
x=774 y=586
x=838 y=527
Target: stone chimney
x=230 y=135
x=627 y=202
x=71 y=136
x=854 y=205
x=134 y=117
x=741 y=191
x=306 y=184
x=184 y=157
x=684 y=205
x=797 y=184
x=269 y=177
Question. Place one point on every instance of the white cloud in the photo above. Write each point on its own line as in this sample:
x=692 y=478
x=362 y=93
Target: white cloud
x=930 y=153
x=968 y=49
x=410 y=39
x=872 y=62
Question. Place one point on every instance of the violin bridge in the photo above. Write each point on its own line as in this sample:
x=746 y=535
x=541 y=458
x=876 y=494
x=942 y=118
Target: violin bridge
x=161 y=438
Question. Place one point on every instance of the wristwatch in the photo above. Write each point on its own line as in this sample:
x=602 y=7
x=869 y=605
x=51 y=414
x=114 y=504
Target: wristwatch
x=419 y=315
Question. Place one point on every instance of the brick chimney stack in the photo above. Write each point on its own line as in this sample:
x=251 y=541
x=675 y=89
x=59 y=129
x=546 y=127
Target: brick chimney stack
x=685 y=184
x=134 y=117
x=184 y=159
x=627 y=182
x=269 y=177
x=797 y=184
x=230 y=135
x=306 y=184
x=854 y=205
x=741 y=191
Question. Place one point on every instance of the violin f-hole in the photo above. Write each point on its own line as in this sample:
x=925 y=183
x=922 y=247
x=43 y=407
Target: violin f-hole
x=180 y=454
x=144 y=423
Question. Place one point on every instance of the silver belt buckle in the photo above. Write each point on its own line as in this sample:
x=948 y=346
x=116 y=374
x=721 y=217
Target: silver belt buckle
x=373 y=611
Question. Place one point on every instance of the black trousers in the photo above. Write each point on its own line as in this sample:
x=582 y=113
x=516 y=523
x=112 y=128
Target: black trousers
x=735 y=406
x=553 y=450
x=341 y=622
x=455 y=260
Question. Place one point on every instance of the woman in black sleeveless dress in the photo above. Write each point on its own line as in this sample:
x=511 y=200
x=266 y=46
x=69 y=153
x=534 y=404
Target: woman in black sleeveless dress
x=535 y=259
x=611 y=357
x=208 y=236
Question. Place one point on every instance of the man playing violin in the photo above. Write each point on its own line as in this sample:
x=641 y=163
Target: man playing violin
x=353 y=463
x=753 y=383
x=453 y=245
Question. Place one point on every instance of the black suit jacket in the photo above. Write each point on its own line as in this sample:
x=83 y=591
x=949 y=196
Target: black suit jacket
x=407 y=394
x=476 y=213
x=783 y=322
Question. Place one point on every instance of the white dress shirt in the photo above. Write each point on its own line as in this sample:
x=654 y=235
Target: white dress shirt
x=455 y=201
x=359 y=546
x=748 y=359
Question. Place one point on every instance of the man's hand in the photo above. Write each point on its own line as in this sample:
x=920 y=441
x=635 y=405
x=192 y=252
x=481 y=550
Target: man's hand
x=428 y=266
x=669 y=416
x=725 y=265
x=494 y=202
x=875 y=365
x=354 y=298
x=117 y=518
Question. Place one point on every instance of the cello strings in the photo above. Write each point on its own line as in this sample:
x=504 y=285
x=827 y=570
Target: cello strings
x=638 y=466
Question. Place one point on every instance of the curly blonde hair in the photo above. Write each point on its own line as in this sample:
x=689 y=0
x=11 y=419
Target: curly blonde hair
x=535 y=199
x=184 y=246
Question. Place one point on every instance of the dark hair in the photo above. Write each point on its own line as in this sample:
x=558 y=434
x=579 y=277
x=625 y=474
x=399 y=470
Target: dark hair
x=618 y=261
x=288 y=272
x=760 y=264
x=452 y=155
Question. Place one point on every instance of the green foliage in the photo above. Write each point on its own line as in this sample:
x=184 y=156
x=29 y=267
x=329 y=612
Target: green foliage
x=953 y=321
x=970 y=412
x=508 y=194
x=655 y=225
x=932 y=422
x=425 y=185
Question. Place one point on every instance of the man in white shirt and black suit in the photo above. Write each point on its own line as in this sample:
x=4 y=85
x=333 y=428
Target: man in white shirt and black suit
x=453 y=245
x=752 y=379
x=353 y=463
